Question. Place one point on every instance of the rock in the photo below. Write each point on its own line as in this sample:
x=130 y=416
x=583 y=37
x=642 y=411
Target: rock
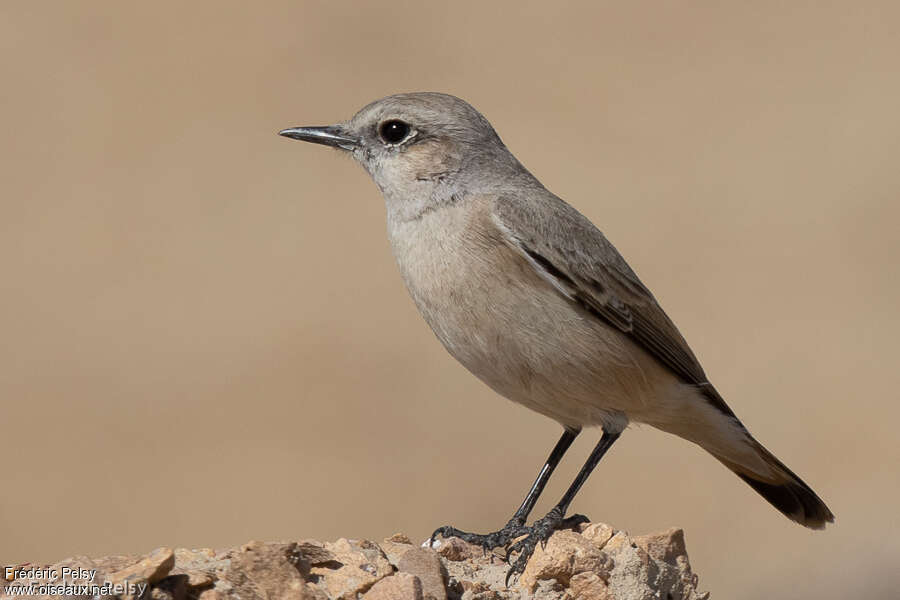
x=353 y=567
x=666 y=546
x=148 y=570
x=567 y=554
x=456 y=549
x=425 y=564
x=191 y=564
x=399 y=538
x=617 y=542
x=169 y=588
x=395 y=547
x=309 y=554
x=640 y=575
x=401 y=586
x=594 y=563
x=598 y=534
x=196 y=579
x=259 y=570
x=589 y=586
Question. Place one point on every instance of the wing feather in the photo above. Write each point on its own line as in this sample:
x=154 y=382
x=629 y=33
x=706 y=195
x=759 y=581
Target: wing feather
x=573 y=255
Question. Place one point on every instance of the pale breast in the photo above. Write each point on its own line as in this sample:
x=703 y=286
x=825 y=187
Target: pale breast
x=509 y=327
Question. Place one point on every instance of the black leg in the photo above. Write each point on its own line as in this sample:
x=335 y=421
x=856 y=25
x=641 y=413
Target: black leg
x=555 y=519
x=543 y=477
x=516 y=525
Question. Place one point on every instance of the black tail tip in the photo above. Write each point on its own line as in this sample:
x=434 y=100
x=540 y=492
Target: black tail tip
x=795 y=500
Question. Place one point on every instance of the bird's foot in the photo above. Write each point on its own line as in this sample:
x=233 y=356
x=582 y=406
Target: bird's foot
x=488 y=541
x=539 y=532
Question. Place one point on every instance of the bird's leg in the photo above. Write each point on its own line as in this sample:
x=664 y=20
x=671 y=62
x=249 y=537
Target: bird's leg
x=543 y=528
x=516 y=525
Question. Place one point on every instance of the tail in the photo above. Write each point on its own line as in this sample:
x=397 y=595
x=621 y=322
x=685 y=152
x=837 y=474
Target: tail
x=783 y=489
x=708 y=422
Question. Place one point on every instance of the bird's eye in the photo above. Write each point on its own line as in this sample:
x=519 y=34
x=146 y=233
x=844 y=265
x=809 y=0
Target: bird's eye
x=393 y=131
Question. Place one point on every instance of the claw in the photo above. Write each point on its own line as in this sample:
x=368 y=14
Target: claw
x=439 y=530
x=498 y=539
x=517 y=568
x=540 y=531
x=517 y=547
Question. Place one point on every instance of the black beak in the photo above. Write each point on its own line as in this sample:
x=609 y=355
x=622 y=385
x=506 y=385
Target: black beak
x=331 y=135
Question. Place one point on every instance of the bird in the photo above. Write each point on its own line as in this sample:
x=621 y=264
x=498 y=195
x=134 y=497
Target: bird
x=529 y=296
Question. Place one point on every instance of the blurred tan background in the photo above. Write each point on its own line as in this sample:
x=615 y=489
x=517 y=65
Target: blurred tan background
x=205 y=339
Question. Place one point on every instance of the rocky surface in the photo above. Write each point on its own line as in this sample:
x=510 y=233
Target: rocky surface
x=595 y=562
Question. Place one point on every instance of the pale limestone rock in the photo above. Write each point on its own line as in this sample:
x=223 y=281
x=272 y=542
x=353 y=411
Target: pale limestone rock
x=425 y=564
x=401 y=586
x=639 y=576
x=196 y=579
x=598 y=534
x=666 y=546
x=353 y=567
x=399 y=538
x=593 y=563
x=567 y=554
x=395 y=547
x=588 y=586
x=260 y=571
x=149 y=569
x=193 y=565
x=619 y=540
x=456 y=549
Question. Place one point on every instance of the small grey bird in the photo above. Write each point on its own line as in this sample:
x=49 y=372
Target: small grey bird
x=530 y=297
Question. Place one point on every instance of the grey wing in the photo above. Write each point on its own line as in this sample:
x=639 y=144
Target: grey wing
x=573 y=255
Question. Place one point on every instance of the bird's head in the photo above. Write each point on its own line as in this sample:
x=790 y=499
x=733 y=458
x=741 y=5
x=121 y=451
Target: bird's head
x=418 y=145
